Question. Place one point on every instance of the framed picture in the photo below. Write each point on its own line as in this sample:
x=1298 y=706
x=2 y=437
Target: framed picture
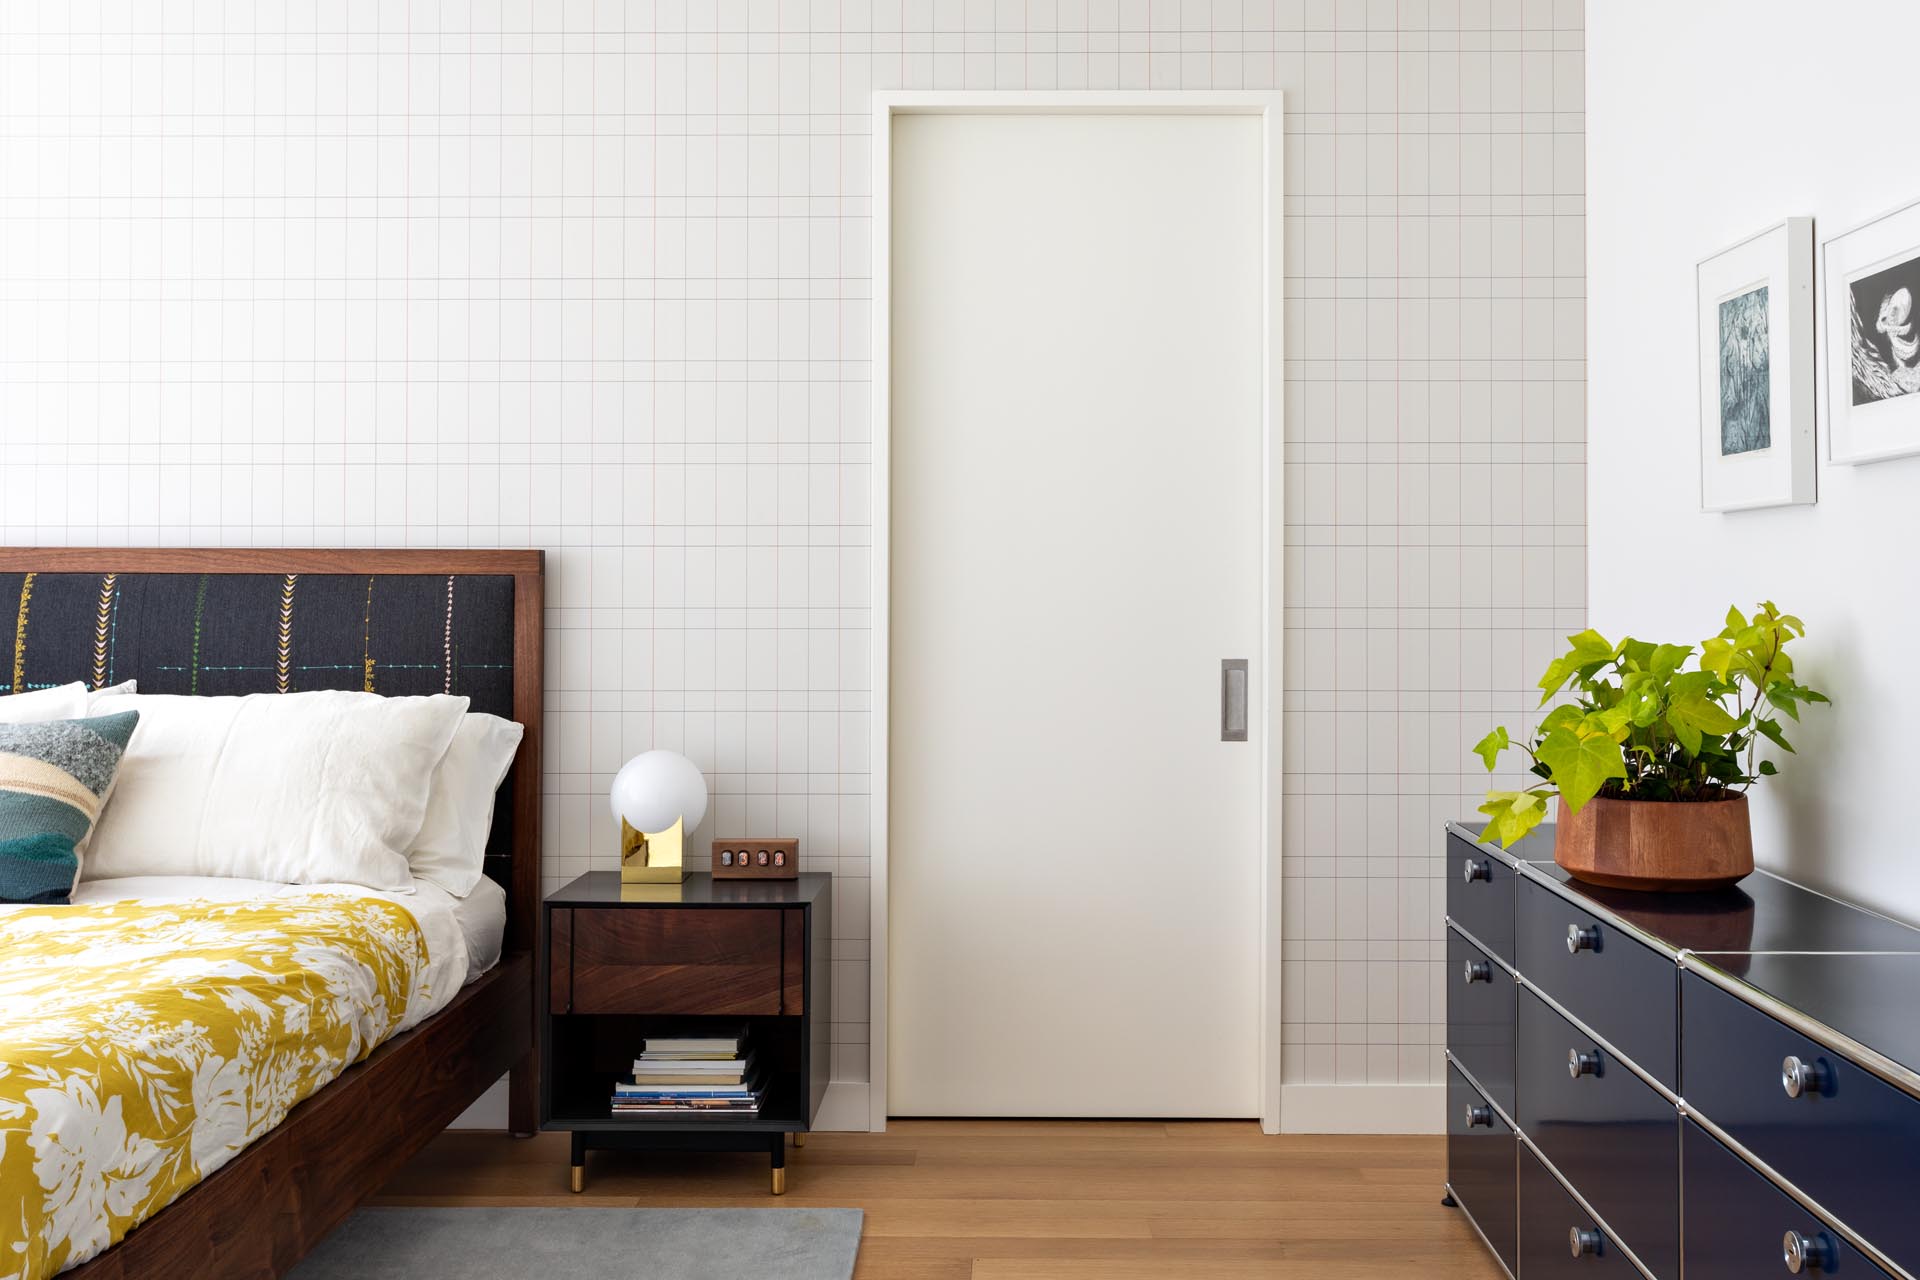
x=1757 y=400
x=1873 y=339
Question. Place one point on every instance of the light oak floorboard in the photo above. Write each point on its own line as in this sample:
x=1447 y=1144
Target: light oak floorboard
x=1035 y=1200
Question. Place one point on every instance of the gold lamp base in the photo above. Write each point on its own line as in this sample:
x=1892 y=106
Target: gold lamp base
x=652 y=857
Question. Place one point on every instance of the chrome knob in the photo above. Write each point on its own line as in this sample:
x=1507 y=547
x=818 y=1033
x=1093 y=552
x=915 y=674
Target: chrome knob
x=1581 y=1243
x=1804 y=1253
x=1479 y=1117
x=1479 y=971
x=1580 y=1063
x=1478 y=871
x=1582 y=937
x=1801 y=1079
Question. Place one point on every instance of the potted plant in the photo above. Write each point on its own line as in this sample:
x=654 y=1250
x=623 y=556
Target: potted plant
x=1651 y=762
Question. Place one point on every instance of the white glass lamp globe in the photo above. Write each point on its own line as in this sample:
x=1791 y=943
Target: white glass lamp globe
x=656 y=789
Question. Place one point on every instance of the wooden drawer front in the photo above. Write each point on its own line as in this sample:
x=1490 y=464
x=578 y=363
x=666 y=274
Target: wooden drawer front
x=1481 y=1000
x=1624 y=990
x=1607 y=1131
x=1737 y=1222
x=680 y=961
x=1480 y=1164
x=1548 y=1215
x=559 y=960
x=1852 y=1143
x=1482 y=905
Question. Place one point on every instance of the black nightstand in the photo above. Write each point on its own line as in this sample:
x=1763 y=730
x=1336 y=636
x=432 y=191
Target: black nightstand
x=625 y=961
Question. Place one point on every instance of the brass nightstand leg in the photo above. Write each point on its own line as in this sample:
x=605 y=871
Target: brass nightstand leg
x=799 y=1139
x=779 y=1182
x=577 y=1179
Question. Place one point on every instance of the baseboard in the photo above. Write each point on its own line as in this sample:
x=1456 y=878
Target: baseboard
x=1363 y=1108
x=844 y=1109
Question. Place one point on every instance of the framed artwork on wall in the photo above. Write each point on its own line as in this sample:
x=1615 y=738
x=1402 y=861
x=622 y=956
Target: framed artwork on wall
x=1757 y=401
x=1873 y=339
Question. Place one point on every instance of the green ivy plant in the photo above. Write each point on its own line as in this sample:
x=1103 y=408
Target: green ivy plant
x=1639 y=727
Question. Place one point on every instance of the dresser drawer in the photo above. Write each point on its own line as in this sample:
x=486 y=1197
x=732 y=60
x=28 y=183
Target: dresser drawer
x=1621 y=988
x=1739 y=1225
x=1481 y=1151
x=1480 y=1012
x=1850 y=1141
x=732 y=961
x=1480 y=895
x=1558 y=1238
x=1607 y=1131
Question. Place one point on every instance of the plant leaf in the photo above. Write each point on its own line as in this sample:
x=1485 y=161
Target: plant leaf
x=1770 y=730
x=1581 y=765
x=1490 y=747
x=1511 y=814
x=1666 y=658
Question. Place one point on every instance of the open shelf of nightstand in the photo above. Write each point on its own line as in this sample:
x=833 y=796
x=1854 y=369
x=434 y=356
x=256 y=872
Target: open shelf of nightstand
x=625 y=963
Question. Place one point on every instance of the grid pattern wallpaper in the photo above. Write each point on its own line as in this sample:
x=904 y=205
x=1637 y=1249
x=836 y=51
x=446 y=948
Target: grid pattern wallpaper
x=593 y=276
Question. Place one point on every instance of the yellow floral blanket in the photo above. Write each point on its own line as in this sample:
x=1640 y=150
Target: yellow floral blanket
x=143 y=1045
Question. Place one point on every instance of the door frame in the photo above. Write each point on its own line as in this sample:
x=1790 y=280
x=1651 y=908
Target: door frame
x=887 y=105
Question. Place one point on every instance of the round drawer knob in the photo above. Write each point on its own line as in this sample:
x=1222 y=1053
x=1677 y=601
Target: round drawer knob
x=1804 y=1253
x=1801 y=1079
x=1582 y=1244
x=1479 y=1117
x=1582 y=937
x=1478 y=871
x=1479 y=971
x=1581 y=1063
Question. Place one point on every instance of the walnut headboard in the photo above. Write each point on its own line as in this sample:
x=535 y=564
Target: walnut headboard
x=215 y=621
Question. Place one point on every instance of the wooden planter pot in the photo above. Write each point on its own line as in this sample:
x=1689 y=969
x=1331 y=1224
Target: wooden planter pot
x=1663 y=846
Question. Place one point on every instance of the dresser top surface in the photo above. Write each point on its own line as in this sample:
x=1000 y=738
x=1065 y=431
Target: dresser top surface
x=1761 y=913
x=605 y=889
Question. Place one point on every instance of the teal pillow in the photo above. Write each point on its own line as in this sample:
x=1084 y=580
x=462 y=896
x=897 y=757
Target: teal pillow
x=53 y=783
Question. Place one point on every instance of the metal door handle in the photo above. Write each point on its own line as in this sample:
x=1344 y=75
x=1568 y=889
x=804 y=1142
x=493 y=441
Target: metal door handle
x=1804 y=1253
x=1581 y=937
x=1582 y=1064
x=1233 y=699
x=1478 y=871
x=1478 y=1116
x=1582 y=1243
x=1801 y=1079
x=1479 y=971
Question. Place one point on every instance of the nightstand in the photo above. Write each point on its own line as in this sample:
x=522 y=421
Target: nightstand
x=625 y=961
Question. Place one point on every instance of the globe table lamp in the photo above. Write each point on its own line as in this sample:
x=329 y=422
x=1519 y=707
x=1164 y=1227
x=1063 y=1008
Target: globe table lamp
x=658 y=796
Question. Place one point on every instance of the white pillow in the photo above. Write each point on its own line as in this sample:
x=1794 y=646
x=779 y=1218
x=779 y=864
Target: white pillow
x=296 y=788
x=37 y=706
x=451 y=849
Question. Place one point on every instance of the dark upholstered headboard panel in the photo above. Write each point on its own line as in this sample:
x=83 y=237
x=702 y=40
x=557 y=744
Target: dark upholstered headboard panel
x=212 y=622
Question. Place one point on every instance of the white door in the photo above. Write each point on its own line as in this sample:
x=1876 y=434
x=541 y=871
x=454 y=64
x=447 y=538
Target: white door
x=1076 y=546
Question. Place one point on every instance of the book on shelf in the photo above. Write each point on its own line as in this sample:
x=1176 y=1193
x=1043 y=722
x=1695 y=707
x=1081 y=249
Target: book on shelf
x=731 y=1043
x=639 y=1089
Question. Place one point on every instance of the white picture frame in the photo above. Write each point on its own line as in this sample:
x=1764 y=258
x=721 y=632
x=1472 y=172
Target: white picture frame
x=1873 y=370
x=1757 y=400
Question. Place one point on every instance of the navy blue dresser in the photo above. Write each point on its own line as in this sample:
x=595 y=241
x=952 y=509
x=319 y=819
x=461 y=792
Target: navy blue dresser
x=1716 y=1086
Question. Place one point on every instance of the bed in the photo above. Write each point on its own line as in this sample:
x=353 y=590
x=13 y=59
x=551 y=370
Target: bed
x=211 y=622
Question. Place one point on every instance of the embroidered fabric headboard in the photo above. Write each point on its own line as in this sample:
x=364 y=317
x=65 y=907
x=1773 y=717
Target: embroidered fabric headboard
x=212 y=622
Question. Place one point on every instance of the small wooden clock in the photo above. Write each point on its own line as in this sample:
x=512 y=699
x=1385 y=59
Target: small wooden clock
x=744 y=859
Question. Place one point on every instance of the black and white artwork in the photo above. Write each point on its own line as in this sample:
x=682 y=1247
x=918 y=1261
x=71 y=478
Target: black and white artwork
x=1746 y=389
x=1873 y=339
x=1754 y=307
x=1885 y=332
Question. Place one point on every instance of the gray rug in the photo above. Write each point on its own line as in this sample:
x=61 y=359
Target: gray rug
x=589 y=1244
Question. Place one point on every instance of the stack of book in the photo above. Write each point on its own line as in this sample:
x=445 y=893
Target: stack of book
x=691 y=1075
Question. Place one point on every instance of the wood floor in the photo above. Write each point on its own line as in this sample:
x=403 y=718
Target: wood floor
x=1015 y=1200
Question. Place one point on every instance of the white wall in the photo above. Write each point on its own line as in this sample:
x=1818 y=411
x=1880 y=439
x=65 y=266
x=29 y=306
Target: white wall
x=1706 y=122
x=592 y=275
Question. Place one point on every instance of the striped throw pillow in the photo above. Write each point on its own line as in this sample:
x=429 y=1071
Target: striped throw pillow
x=54 y=778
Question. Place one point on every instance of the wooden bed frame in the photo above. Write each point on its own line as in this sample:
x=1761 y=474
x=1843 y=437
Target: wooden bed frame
x=264 y=1210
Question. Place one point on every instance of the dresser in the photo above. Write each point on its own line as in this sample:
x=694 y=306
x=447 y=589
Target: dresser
x=706 y=957
x=1715 y=1086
